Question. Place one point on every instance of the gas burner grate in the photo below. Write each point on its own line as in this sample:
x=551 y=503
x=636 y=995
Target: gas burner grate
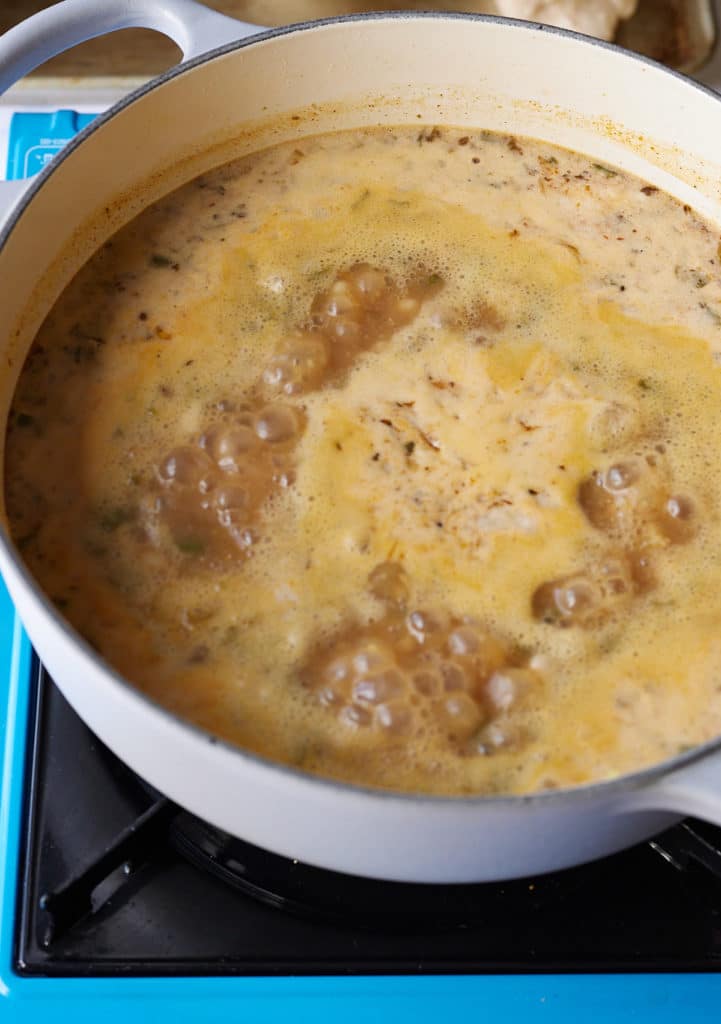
x=117 y=880
x=289 y=886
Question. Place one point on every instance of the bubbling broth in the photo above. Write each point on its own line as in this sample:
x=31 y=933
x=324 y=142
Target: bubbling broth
x=392 y=455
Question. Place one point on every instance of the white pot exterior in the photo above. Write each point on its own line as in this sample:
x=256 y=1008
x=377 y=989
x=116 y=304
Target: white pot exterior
x=377 y=70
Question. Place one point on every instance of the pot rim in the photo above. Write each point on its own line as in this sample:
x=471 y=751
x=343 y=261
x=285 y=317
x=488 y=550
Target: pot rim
x=575 y=794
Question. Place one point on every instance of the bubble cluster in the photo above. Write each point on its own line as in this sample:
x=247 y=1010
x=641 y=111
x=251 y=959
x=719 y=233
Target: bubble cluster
x=421 y=673
x=362 y=307
x=633 y=496
x=616 y=499
x=586 y=598
x=210 y=491
x=677 y=519
x=631 y=502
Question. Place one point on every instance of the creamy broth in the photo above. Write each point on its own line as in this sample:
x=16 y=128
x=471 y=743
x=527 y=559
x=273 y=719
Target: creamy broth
x=392 y=455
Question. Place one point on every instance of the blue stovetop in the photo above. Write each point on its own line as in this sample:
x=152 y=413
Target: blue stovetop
x=661 y=998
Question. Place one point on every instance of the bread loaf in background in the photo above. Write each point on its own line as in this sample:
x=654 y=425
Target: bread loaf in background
x=594 y=17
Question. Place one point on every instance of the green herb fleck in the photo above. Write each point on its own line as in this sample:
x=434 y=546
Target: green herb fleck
x=84 y=347
x=79 y=332
x=230 y=635
x=361 y=199
x=29 y=537
x=158 y=260
x=190 y=545
x=112 y=518
x=409 y=447
x=94 y=549
x=605 y=170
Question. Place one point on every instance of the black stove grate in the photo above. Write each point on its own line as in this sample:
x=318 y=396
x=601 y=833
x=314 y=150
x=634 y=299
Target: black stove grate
x=116 y=880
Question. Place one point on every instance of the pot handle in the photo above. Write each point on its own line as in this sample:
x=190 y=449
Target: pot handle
x=694 y=790
x=194 y=27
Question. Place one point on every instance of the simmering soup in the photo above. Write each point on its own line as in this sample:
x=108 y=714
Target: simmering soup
x=393 y=455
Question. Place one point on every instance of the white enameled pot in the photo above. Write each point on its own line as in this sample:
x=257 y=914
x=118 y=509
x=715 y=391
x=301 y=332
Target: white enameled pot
x=237 y=91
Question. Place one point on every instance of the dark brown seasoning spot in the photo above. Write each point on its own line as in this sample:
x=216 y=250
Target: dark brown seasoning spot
x=142 y=316
x=513 y=145
x=376 y=456
x=573 y=249
x=428 y=136
x=339 y=446
x=410 y=447
x=648 y=190
x=475 y=160
x=388 y=423
x=431 y=444
x=463 y=141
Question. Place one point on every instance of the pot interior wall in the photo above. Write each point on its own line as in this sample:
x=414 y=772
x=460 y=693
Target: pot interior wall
x=471 y=73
